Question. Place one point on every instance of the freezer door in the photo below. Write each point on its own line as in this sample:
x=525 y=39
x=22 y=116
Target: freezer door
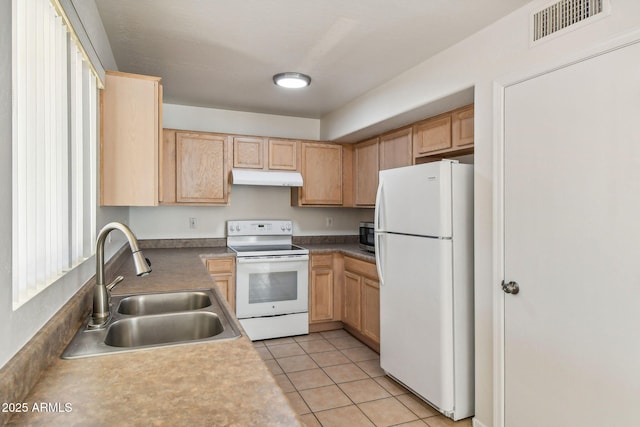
x=416 y=315
x=415 y=200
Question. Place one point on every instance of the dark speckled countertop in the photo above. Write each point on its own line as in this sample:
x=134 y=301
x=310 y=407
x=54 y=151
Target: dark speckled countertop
x=349 y=249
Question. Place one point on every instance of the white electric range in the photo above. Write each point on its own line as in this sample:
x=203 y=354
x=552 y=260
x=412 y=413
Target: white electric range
x=272 y=278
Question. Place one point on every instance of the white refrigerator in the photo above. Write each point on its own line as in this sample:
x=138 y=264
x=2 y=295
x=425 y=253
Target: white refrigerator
x=424 y=255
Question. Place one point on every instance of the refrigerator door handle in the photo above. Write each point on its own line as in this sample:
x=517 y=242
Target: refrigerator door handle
x=378 y=253
x=379 y=207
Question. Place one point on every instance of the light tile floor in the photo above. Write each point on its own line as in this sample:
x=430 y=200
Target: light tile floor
x=332 y=379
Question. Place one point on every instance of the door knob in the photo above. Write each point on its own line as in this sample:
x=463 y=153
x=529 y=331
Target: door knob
x=510 y=287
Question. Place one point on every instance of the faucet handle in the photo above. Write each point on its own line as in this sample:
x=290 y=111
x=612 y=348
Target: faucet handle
x=115 y=282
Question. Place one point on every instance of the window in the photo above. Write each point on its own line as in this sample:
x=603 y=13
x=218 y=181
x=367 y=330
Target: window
x=54 y=149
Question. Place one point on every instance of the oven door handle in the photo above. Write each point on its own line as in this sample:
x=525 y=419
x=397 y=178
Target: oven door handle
x=262 y=260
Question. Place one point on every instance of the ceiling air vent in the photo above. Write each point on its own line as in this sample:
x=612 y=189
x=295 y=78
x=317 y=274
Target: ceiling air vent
x=564 y=14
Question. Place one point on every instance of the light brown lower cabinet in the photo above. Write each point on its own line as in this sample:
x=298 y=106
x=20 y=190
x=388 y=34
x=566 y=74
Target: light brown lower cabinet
x=361 y=300
x=352 y=311
x=321 y=289
x=223 y=271
x=344 y=292
x=371 y=309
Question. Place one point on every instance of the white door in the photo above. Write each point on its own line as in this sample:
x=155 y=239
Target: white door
x=415 y=200
x=416 y=315
x=572 y=243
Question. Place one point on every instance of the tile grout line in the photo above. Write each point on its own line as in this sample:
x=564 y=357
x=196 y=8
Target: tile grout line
x=338 y=386
x=322 y=368
x=332 y=380
x=350 y=361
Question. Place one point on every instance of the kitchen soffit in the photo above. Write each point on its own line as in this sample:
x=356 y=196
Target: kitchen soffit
x=223 y=53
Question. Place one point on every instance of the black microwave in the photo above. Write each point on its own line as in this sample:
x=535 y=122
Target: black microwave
x=367 y=237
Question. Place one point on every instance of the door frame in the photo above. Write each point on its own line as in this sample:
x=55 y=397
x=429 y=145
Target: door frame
x=499 y=86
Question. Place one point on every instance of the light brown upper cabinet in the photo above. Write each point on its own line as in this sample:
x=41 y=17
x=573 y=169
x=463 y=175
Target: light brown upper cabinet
x=444 y=135
x=431 y=135
x=396 y=149
x=321 y=168
x=248 y=152
x=462 y=127
x=130 y=128
x=366 y=172
x=195 y=168
x=265 y=153
x=283 y=154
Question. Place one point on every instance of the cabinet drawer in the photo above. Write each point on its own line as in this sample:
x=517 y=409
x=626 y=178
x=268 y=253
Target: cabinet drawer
x=362 y=267
x=321 y=261
x=221 y=265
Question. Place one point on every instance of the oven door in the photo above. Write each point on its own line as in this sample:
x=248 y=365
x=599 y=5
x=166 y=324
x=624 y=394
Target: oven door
x=270 y=286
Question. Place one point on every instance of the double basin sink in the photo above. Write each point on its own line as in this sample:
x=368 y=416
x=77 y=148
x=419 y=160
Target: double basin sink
x=156 y=320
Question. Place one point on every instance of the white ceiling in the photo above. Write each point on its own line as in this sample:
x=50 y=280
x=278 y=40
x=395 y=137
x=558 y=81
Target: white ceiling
x=223 y=53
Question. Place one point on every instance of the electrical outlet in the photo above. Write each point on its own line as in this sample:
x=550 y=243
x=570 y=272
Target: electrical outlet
x=329 y=221
x=193 y=222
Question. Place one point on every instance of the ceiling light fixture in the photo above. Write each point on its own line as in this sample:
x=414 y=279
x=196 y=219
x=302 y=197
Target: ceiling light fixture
x=292 y=80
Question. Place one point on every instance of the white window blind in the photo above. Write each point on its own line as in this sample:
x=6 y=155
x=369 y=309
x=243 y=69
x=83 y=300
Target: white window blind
x=54 y=150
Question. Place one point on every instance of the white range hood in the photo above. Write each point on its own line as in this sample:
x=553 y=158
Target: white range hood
x=271 y=178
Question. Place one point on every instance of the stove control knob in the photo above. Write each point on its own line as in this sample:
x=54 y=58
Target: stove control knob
x=282 y=227
x=288 y=227
x=237 y=228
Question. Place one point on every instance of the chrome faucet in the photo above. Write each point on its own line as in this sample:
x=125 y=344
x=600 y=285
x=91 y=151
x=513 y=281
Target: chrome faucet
x=101 y=313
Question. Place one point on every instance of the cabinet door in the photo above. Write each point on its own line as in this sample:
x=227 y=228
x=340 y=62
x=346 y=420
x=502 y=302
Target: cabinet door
x=168 y=167
x=352 y=299
x=321 y=295
x=432 y=135
x=371 y=309
x=322 y=174
x=366 y=172
x=130 y=122
x=223 y=271
x=201 y=168
x=227 y=285
x=248 y=152
x=462 y=127
x=396 y=149
x=283 y=154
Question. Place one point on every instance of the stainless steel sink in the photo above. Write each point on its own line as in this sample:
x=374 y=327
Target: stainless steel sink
x=167 y=302
x=155 y=320
x=162 y=329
